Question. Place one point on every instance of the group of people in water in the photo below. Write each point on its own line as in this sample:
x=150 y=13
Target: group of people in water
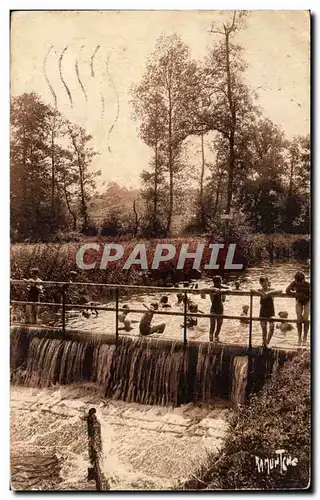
x=298 y=288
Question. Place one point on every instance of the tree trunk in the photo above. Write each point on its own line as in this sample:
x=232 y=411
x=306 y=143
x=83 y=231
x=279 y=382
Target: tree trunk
x=83 y=199
x=136 y=226
x=72 y=213
x=203 y=214
x=52 y=179
x=232 y=128
x=230 y=174
x=155 y=200
x=291 y=178
x=217 y=194
x=170 y=165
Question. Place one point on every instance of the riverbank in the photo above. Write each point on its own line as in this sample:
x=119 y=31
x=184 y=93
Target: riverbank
x=277 y=418
x=56 y=260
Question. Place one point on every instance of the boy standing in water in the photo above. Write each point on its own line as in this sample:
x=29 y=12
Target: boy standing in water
x=216 y=308
x=266 y=308
x=34 y=292
x=302 y=290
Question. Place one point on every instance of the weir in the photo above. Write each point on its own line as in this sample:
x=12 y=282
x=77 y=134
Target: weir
x=141 y=370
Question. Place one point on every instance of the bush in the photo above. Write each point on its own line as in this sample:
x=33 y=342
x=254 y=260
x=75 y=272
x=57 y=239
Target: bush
x=301 y=249
x=279 y=417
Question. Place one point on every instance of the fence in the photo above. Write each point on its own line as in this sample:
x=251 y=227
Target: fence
x=64 y=286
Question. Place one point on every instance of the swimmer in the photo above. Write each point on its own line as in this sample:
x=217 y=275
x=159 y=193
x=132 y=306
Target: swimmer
x=164 y=301
x=283 y=326
x=244 y=315
x=145 y=323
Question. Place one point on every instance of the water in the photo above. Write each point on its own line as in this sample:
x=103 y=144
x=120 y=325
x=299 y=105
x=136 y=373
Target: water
x=138 y=370
x=147 y=442
x=152 y=444
x=145 y=447
x=233 y=331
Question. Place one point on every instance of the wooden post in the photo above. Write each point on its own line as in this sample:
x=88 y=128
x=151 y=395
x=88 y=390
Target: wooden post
x=185 y=318
x=64 y=308
x=95 y=452
x=250 y=322
x=117 y=315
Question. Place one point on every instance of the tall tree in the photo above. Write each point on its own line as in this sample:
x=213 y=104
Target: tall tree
x=230 y=102
x=31 y=209
x=169 y=86
x=82 y=156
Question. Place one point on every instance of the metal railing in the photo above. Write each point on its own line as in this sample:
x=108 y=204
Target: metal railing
x=64 y=286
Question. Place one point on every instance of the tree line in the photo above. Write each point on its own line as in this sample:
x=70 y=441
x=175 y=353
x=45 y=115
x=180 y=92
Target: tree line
x=257 y=172
x=50 y=180
x=248 y=170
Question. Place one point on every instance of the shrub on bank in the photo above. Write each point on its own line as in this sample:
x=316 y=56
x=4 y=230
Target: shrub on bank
x=277 y=418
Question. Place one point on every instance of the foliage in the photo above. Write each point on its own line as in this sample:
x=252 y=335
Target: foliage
x=279 y=417
x=254 y=171
x=163 y=103
x=50 y=178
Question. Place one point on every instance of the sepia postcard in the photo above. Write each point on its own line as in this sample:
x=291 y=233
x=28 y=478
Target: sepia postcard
x=160 y=225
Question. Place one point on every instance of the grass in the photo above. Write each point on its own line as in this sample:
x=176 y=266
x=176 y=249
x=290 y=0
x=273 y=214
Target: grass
x=279 y=417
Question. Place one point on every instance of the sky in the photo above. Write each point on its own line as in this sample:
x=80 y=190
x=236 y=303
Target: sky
x=276 y=48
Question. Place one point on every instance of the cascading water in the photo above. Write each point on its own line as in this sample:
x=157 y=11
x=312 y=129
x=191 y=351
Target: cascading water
x=184 y=393
x=239 y=379
x=138 y=370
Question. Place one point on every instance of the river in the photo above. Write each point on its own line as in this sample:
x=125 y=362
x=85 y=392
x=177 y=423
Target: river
x=145 y=447
x=280 y=275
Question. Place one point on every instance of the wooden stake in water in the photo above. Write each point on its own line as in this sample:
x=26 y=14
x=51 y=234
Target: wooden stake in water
x=95 y=451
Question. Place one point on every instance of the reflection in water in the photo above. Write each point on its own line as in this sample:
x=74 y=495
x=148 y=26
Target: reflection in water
x=233 y=331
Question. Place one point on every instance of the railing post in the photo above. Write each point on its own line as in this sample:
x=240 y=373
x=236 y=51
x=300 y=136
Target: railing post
x=117 y=314
x=250 y=321
x=64 y=308
x=185 y=318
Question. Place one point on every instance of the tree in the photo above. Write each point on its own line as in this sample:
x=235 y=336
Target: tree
x=82 y=154
x=31 y=168
x=50 y=158
x=163 y=102
x=229 y=101
x=299 y=165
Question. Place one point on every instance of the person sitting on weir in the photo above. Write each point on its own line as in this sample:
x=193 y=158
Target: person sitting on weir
x=145 y=323
x=193 y=308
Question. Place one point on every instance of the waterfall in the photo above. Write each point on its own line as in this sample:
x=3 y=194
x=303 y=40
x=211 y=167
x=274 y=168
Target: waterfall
x=137 y=369
x=239 y=379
